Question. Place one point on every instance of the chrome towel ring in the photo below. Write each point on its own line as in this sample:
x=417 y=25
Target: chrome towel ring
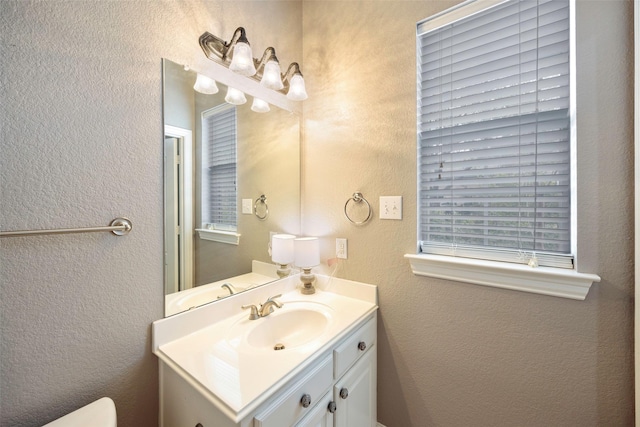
x=358 y=198
x=262 y=200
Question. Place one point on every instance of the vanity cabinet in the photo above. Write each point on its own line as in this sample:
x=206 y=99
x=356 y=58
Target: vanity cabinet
x=336 y=388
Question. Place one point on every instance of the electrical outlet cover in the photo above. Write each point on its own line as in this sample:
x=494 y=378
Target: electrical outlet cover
x=341 y=248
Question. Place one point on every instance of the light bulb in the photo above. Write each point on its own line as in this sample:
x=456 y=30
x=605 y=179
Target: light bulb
x=271 y=77
x=242 y=61
x=205 y=85
x=260 y=106
x=235 y=97
x=297 y=91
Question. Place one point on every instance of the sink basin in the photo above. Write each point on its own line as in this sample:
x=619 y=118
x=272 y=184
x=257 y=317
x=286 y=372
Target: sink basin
x=292 y=326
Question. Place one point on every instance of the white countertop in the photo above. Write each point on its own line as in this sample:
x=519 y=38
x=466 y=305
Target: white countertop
x=200 y=347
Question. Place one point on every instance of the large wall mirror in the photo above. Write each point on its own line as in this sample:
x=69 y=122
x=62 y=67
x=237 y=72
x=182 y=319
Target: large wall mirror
x=231 y=180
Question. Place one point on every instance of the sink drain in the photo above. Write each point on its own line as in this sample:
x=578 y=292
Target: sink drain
x=278 y=346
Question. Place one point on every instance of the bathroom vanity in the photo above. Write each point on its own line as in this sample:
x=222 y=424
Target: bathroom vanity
x=311 y=362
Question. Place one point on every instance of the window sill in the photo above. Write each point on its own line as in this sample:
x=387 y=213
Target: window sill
x=557 y=282
x=229 y=237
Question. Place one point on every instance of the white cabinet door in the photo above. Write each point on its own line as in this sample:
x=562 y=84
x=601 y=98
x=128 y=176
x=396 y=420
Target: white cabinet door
x=355 y=394
x=321 y=415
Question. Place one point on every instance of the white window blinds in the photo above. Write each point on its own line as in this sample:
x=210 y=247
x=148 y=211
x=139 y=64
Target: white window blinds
x=219 y=171
x=494 y=134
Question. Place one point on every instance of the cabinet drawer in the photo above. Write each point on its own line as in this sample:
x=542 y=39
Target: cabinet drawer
x=355 y=346
x=289 y=408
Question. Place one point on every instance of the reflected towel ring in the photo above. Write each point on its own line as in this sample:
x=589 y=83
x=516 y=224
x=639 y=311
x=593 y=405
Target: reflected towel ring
x=357 y=198
x=262 y=199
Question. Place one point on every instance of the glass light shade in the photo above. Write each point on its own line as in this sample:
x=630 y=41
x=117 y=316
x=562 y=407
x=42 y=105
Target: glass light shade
x=271 y=77
x=205 y=85
x=260 y=106
x=307 y=252
x=242 y=61
x=297 y=91
x=235 y=97
x=282 y=248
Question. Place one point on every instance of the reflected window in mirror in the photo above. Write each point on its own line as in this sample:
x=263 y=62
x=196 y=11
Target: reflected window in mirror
x=219 y=175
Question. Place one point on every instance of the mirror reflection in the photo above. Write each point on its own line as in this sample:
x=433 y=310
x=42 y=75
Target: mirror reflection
x=231 y=180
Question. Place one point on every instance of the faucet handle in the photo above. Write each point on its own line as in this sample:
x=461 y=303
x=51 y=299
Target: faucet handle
x=254 y=311
x=273 y=297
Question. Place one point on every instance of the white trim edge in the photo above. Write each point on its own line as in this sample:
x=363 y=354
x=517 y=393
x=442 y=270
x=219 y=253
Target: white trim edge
x=219 y=236
x=557 y=282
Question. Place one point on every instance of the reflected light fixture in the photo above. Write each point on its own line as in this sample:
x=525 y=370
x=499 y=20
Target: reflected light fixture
x=307 y=256
x=205 y=85
x=297 y=90
x=260 y=106
x=235 y=97
x=282 y=253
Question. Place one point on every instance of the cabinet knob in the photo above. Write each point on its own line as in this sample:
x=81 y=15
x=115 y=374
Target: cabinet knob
x=332 y=407
x=199 y=425
x=344 y=393
x=305 y=401
x=362 y=346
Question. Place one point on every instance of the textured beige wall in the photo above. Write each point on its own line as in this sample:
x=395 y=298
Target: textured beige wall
x=81 y=143
x=453 y=354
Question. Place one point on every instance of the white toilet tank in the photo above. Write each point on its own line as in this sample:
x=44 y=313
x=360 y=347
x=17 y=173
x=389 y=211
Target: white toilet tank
x=101 y=413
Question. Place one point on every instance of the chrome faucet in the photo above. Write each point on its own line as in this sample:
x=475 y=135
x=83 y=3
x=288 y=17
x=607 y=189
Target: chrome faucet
x=228 y=286
x=265 y=309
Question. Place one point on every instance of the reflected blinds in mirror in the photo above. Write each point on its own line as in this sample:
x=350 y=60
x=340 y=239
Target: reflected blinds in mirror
x=494 y=134
x=220 y=175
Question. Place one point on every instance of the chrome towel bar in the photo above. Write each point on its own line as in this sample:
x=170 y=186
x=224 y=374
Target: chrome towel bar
x=119 y=227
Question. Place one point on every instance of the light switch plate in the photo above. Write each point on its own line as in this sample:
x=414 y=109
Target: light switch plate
x=390 y=207
x=247 y=208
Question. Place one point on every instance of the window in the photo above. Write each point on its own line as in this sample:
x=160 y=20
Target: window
x=496 y=147
x=495 y=134
x=219 y=182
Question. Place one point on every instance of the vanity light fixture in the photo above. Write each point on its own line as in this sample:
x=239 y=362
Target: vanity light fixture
x=205 y=85
x=282 y=253
x=297 y=90
x=307 y=256
x=260 y=106
x=235 y=96
x=270 y=65
x=242 y=57
x=237 y=56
